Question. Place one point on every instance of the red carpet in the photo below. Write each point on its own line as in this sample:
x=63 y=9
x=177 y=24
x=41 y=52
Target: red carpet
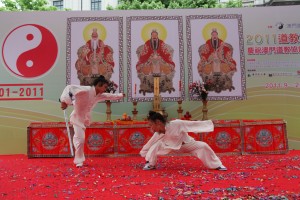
x=180 y=177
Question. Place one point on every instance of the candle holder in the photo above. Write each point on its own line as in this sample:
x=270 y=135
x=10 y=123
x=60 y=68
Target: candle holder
x=204 y=110
x=134 y=112
x=108 y=110
x=179 y=110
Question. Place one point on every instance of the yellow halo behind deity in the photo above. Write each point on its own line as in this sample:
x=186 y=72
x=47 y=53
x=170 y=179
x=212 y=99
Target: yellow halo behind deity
x=222 y=32
x=148 y=28
x=101 y=30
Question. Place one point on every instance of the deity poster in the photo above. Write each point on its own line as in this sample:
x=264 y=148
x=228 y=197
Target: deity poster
x=216 y=55
x=94 y=48
x=155 y=49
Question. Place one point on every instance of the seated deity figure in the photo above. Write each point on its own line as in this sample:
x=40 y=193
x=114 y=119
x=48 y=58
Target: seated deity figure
x=216 y=63
x=155 y=58
x=94 y=59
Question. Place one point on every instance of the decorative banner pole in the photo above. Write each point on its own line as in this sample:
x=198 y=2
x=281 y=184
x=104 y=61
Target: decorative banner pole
x=157 y=98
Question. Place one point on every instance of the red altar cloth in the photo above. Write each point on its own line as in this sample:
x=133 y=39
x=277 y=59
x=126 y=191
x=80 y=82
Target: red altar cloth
x=121 y=138
x=226 y=137
x=50 y=139
x=264 y=136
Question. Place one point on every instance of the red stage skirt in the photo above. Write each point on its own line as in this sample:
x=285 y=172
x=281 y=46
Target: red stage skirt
x=123 y=138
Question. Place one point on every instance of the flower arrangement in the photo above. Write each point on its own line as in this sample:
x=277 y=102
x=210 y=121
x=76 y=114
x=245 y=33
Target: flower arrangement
x=112 y=87
x=199 y=90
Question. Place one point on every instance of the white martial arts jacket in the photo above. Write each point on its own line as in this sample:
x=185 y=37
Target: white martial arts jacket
x=176 y=134
x=84 y=100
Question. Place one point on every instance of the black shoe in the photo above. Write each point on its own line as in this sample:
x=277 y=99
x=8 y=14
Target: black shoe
x=222 y=168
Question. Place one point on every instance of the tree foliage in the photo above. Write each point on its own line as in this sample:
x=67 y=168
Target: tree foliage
x=173 y=4
x=26 y=5
x=192 y=4
x=231 y=4
x=139 y=5
x=42 y=5
x=234 y=4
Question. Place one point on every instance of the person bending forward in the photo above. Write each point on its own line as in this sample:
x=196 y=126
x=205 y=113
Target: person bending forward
x=84 y=99
x=173 y=137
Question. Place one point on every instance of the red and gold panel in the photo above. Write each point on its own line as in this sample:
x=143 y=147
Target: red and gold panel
x=131 y=123
x=48 y=140
x=265 y=137
x=227 y=123
x=226 y=137
x=131 y=140
x=99 y=141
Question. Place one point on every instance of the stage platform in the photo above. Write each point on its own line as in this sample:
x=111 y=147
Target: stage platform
x=126 y=138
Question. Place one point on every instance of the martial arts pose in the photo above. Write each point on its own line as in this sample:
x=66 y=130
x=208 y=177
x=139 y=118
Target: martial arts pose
x=173 y=137
x=84 y=99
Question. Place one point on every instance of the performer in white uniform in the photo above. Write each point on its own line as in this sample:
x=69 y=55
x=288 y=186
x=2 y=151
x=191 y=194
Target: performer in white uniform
x=173 y=137
x=84 y=99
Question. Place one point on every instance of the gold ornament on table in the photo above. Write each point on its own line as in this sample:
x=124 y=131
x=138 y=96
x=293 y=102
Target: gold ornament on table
x=200 y=91
x=126 y=117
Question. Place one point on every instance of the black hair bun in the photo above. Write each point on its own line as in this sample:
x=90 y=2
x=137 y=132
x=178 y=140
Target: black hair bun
x=151 y=113
x=101 y=77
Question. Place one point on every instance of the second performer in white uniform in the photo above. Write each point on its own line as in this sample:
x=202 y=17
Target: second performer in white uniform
x=173 y=137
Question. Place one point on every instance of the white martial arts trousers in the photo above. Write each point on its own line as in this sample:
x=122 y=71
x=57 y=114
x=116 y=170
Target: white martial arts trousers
x=78 y=141
x=197 y=148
